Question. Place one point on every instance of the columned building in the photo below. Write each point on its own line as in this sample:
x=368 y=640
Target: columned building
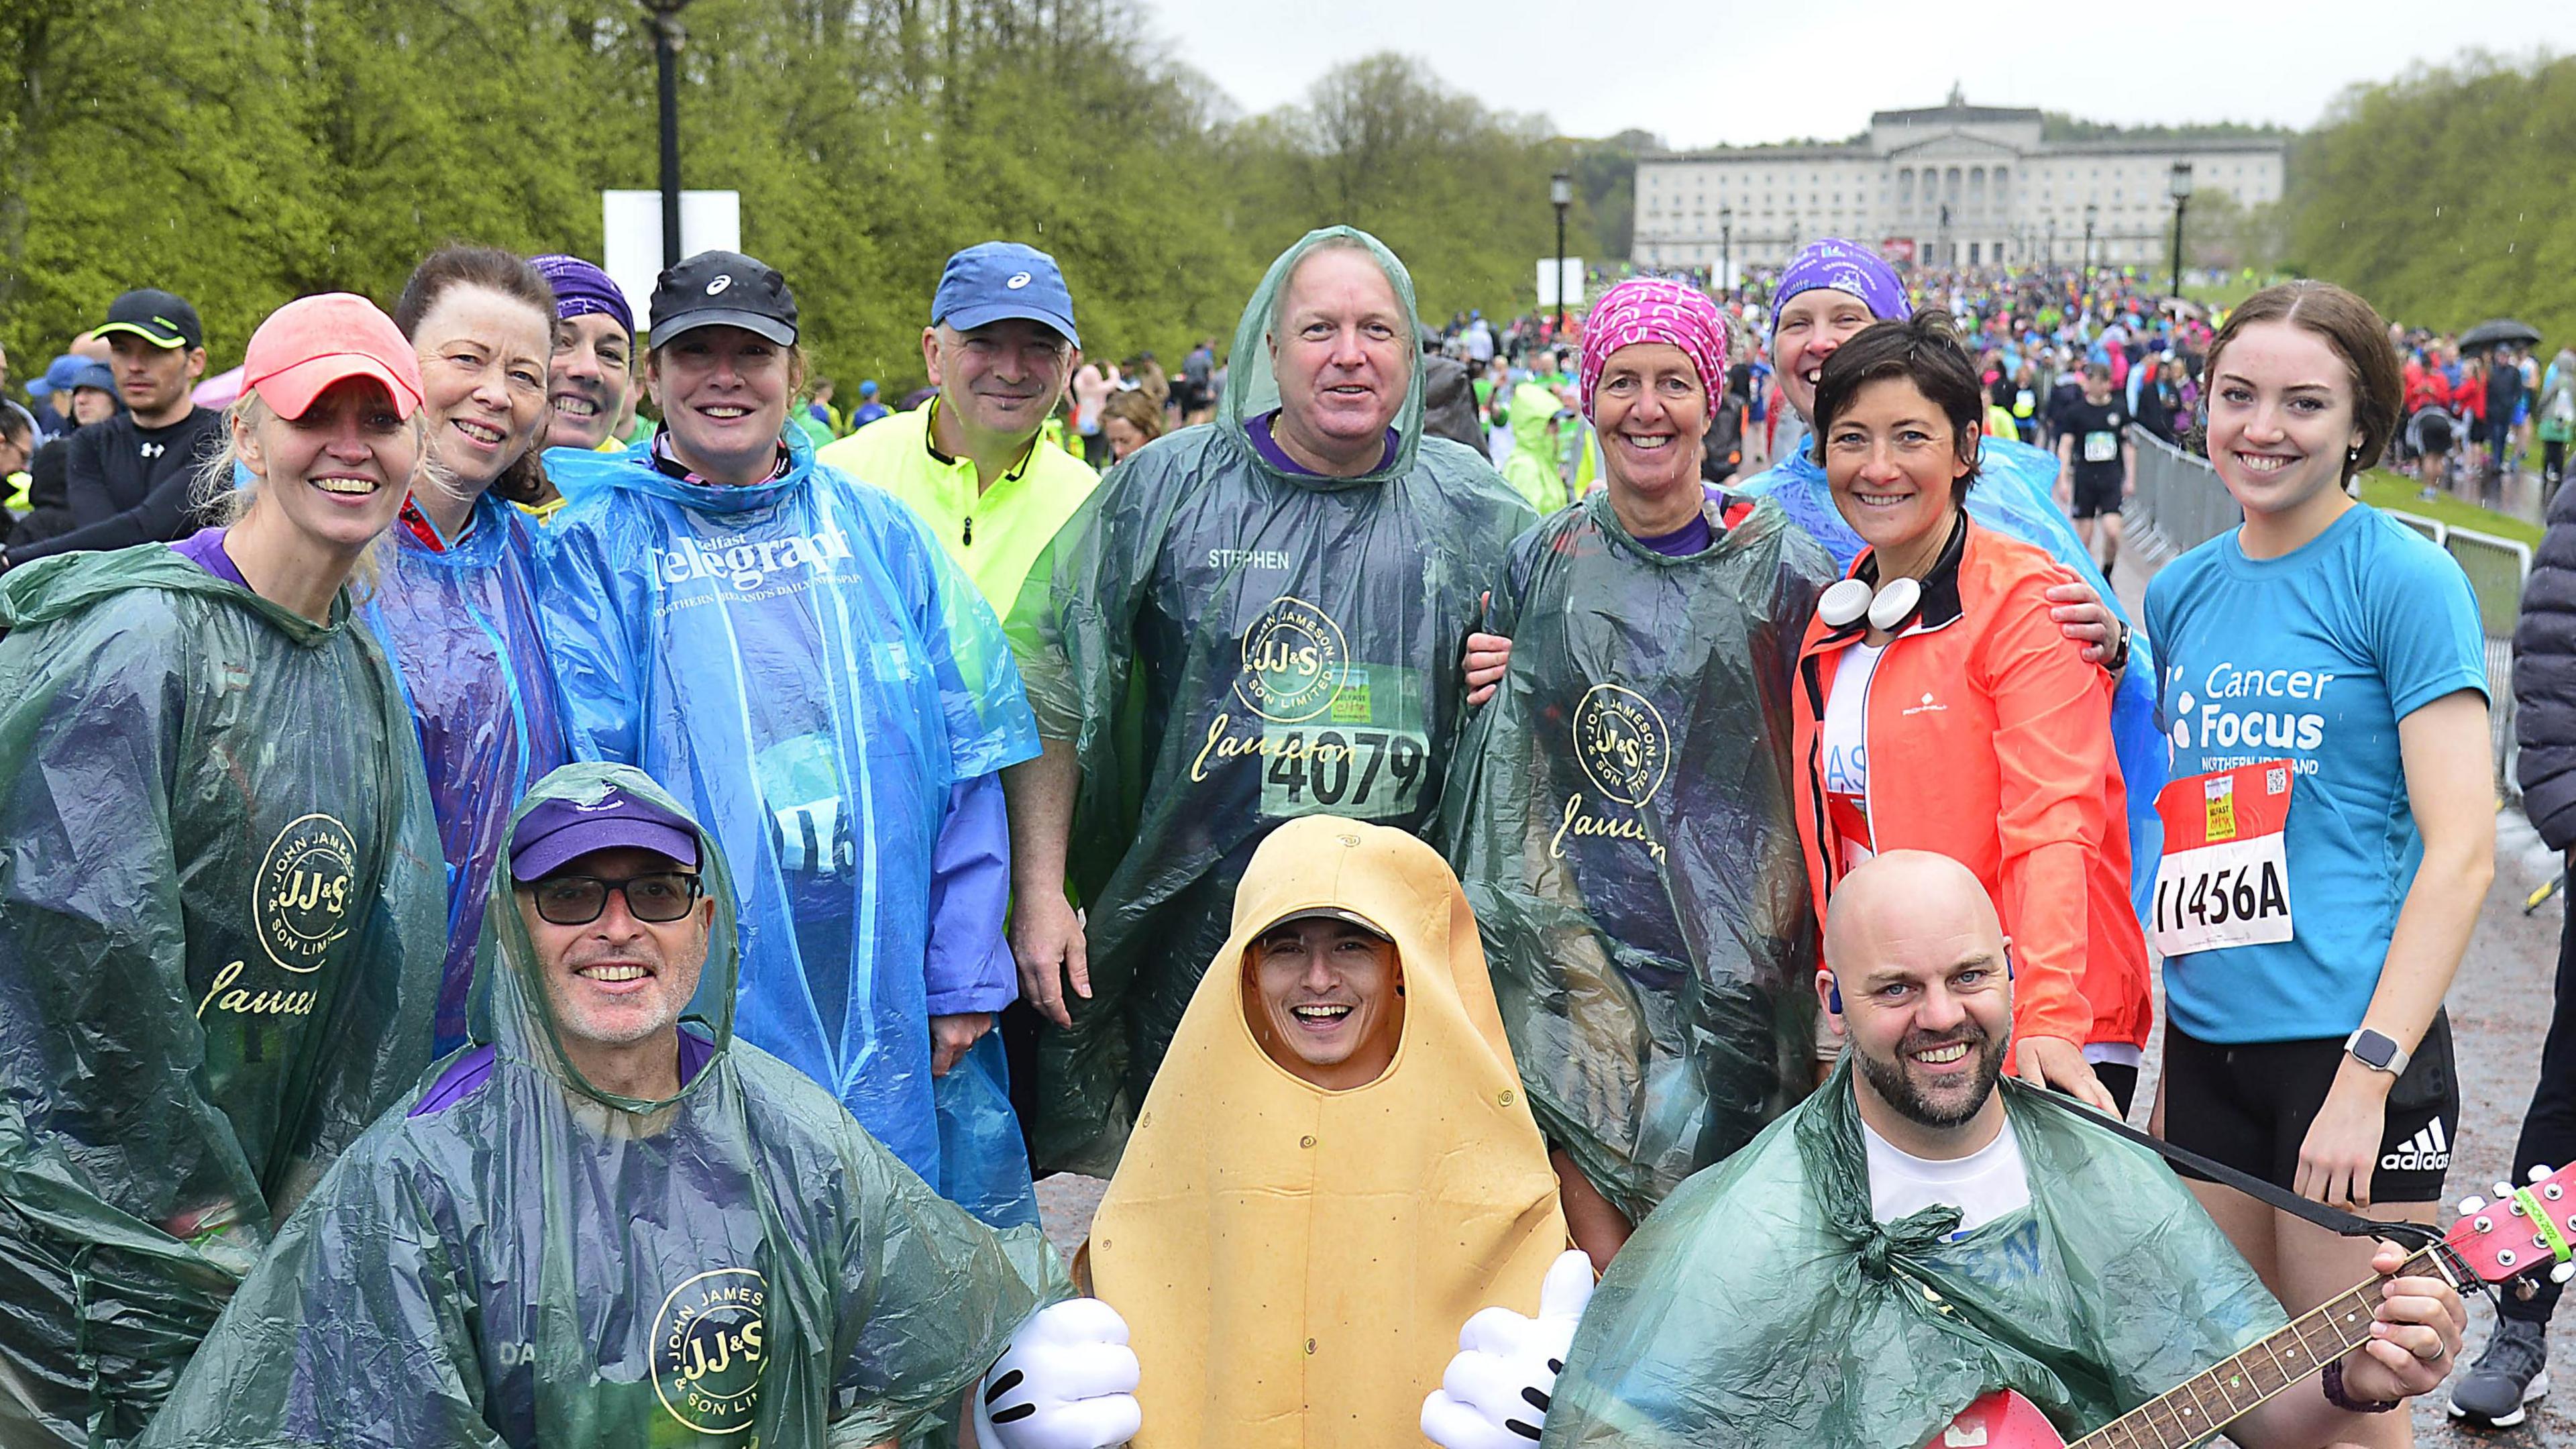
x=1954 y=185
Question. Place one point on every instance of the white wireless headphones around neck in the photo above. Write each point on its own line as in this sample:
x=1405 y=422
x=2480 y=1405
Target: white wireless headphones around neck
x=1887 y=607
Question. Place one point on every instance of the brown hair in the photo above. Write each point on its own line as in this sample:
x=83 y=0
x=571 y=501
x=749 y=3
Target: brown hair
x=2357 y=334
x=459 y=265
x=1923 y=350
x=1131 y=406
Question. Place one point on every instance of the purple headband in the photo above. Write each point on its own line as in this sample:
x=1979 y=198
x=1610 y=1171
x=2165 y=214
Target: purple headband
x=1845 y=267
x=581 y=289
x=1653 y=309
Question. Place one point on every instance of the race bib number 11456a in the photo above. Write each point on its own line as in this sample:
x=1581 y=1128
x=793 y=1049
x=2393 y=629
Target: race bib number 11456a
x=2225 y=879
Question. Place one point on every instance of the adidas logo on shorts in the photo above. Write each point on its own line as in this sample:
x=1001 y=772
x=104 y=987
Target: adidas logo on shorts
x=2426 y=1151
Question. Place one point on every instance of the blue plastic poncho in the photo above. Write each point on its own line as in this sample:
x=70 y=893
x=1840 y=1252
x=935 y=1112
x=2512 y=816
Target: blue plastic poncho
x=460 y=629
x=2014 y=495
x=514 y=1257
x=833 y=698
x=219 y=945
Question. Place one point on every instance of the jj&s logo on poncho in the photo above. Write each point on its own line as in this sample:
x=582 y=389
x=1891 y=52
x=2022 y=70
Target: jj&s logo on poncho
x=1624 y=748
x=300 y=902
x=707 y=1350
x=1293 y=657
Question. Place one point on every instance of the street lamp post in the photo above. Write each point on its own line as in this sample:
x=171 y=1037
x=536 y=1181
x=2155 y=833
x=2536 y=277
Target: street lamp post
x=2179 y=184
x=1560 y=194
x=665 y=21
x=1725 y=249
x=2092 y=214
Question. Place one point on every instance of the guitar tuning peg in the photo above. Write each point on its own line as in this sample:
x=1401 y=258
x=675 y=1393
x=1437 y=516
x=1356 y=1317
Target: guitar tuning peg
x=2562 y=1272
x=2504 y=1189
x=2472 y=1205
x=2524 y=1290
x=2537 y=1173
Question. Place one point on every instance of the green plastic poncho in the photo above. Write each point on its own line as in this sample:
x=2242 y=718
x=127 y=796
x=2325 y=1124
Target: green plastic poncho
x=1764 y=1308
x=1621 y=818
x=221 y=912
x=1230 y=643
x=515 y=1257
x=1536 y=466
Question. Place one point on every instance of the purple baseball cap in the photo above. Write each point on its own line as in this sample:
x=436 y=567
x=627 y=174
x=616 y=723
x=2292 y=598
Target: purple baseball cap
x=556 y=832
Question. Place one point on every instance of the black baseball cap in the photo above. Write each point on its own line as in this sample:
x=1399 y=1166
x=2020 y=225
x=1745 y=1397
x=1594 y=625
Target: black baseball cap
x=723 y=289
x=161 y=318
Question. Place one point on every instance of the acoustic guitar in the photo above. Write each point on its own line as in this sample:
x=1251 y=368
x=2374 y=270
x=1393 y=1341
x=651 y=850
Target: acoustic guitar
x=2525 y=1230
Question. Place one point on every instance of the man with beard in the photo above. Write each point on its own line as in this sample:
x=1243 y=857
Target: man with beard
x=1914 y=1236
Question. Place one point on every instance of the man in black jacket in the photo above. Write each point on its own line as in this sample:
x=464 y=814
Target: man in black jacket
x=2512 y=1371
x=127 y=480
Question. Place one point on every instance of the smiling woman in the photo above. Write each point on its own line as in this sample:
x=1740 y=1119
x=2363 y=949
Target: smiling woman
x=1940 y=709
x=240 y=902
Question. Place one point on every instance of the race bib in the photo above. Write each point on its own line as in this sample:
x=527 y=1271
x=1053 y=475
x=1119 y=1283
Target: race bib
x=2224 y=880
x=2101 y=447
x=1365 y=755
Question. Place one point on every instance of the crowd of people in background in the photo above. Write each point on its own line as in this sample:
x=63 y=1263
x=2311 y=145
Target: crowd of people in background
x=1434 y=814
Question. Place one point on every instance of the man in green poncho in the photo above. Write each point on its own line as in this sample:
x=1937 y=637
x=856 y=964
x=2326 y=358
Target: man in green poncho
x=1252 y=620
x=1910 y=1239
x=598 y=1227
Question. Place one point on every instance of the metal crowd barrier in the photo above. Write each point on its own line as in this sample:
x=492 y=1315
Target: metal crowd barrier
x=2496 y=568
x=2179 y=504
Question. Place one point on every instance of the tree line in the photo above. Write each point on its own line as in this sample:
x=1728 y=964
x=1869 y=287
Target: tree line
x=2446 y=196
x=242 y=152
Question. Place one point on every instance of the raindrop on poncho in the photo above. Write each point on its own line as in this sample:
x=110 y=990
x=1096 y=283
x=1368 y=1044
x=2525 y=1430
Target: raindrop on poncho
x=834 y=699
x=219 y=949
x=2014 y=496
x=1621 y=818
x=514 y=1257
x=1229 y=645
x=1764 y=1307
x=460 y=629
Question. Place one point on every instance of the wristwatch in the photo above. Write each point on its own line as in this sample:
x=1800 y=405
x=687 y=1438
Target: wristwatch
x=2377 y=1052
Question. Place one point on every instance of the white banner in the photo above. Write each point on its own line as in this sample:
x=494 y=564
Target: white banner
x=710 y=221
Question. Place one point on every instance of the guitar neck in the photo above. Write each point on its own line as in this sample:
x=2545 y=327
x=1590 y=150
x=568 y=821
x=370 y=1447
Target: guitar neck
x=2201 y=1405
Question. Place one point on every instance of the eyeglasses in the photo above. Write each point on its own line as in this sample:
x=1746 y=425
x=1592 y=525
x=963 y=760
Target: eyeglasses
x=578 y=900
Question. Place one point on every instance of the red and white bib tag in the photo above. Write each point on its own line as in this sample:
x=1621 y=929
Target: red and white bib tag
x=2225 y=879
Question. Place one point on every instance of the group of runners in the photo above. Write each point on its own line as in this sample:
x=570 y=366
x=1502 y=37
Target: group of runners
x=504 y=935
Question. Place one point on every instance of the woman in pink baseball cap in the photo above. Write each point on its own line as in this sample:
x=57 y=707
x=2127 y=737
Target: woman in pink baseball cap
x=221 y=924
x=1621 y=813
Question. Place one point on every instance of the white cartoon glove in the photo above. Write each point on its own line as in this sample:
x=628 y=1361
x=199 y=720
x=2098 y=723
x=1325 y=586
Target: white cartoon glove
x=1496 y=1392
x=1068 y=1381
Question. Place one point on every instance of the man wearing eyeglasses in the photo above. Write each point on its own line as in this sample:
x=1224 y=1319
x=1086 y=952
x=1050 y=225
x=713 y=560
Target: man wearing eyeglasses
x=601 y=1225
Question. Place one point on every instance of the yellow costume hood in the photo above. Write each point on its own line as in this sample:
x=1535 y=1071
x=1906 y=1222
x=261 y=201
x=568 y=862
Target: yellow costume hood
x=1294 y=1263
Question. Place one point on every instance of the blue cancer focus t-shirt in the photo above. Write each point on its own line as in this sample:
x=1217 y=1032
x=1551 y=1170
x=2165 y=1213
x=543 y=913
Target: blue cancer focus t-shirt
x=2312 y=657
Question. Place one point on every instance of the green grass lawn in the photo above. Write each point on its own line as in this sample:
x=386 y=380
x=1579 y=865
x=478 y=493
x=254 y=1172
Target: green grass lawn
x=2402 y=494
x=2226 y=294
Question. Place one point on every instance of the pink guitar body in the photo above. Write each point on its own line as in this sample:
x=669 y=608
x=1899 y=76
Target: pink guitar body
x=2003 y=1420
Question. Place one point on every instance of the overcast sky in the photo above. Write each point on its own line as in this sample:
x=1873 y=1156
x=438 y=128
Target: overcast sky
x=1702 y=74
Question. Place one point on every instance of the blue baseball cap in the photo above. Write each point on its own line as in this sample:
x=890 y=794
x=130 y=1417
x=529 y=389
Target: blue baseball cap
x=95 y=374
x=554 y=833
x=59 y=374
x=868 y=388
x=996 y=280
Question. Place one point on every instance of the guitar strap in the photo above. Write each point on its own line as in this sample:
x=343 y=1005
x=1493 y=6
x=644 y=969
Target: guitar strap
x=2332 y=1219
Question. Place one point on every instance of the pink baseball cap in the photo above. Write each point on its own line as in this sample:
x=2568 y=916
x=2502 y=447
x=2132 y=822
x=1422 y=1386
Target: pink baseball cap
x=313 y=342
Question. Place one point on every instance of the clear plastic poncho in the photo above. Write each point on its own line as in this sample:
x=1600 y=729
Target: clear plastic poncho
x=1621 y=818
x=219 y=948
x=1765 y=1308
x=2015 y=496
x=460 y=628
x=1229 y=645
x=515 y=1257
x=829 y=692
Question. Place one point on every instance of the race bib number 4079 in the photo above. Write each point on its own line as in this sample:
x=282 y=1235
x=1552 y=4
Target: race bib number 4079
x=2225 y=879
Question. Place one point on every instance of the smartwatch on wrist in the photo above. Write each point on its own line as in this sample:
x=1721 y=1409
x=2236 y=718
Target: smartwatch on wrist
x=2376 y=1051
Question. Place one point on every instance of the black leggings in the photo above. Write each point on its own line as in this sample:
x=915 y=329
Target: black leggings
x=2549 y=1128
